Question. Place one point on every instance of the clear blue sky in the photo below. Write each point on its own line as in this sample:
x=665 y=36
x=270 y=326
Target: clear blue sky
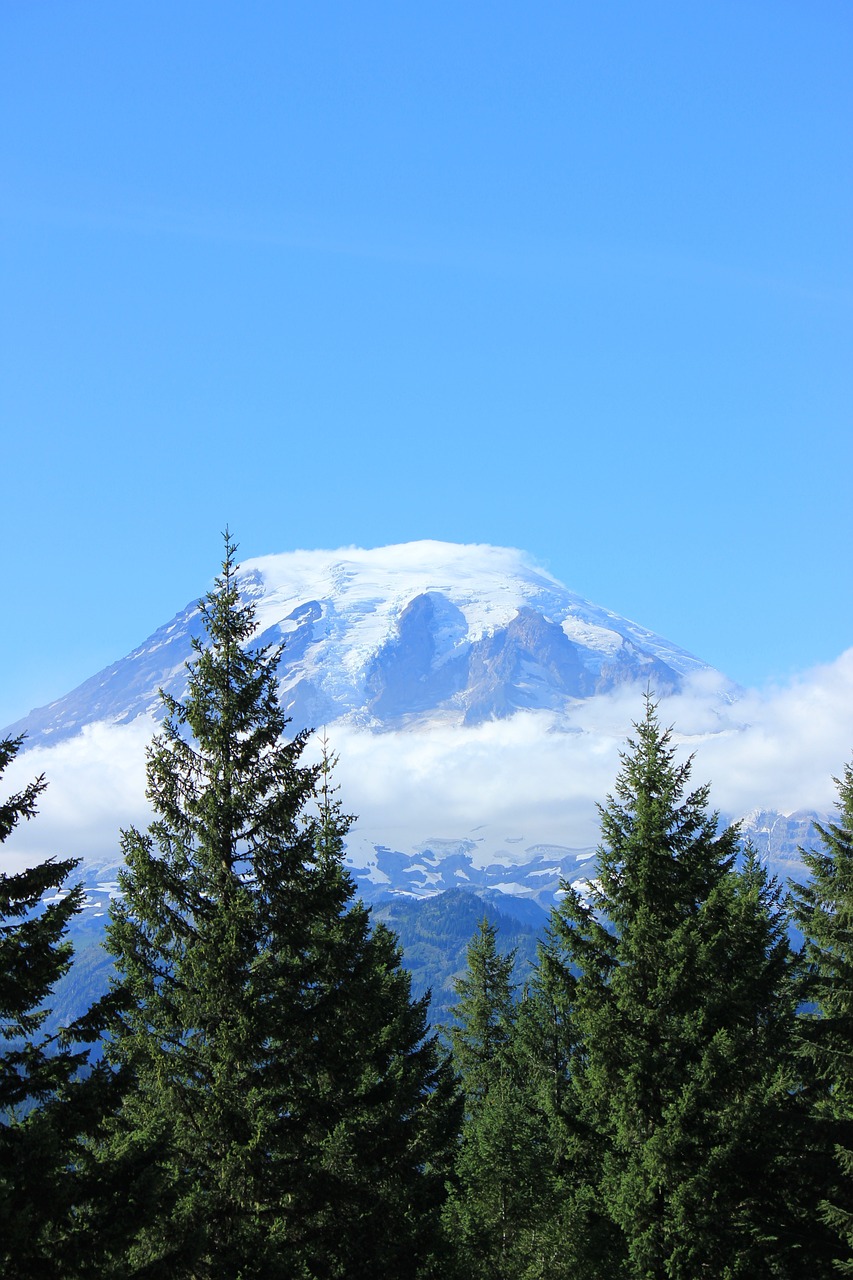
x=572 y=277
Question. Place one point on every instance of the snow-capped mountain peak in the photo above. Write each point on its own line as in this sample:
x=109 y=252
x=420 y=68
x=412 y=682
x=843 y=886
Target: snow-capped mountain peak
x=387 y=636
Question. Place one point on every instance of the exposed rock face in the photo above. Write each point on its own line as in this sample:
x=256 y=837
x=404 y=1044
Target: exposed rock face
x=415 y=671
x=431 y=664
x=529 y=664
x=778 y=837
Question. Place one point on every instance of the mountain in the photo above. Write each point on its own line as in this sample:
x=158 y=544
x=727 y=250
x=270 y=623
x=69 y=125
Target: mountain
x=387 y=637
x=414 y=654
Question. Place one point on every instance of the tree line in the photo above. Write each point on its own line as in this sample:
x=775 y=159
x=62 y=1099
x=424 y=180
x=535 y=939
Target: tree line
x=259 y=1095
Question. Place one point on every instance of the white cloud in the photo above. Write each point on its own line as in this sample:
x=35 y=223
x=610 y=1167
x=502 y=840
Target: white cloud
x=776 y=749
x=96 y=785
x=525 y=777
x=521 y=776
x=785 y=744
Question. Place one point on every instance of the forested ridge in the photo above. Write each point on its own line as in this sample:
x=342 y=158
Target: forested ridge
x=665 y=1092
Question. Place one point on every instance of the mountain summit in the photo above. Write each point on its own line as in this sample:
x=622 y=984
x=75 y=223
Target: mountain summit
x=397 y=636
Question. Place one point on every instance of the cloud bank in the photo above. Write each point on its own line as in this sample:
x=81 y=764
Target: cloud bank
x=535 y=778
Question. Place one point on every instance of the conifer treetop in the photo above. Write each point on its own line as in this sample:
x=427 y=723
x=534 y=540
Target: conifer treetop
x=660 y=842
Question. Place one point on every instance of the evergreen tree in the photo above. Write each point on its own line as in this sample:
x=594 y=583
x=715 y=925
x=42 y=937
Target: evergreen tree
x=288 y=1117
x=679 y=1009
x=484 y=1013
x=44 y=1108
x=577 y=1239
x=500 y=1194
x=823 y=909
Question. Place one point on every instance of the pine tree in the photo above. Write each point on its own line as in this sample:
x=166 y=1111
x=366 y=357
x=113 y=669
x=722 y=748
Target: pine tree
x=679 y=1013
x=500 y=1194
x=288 y=1116
x=44 y=1108
x=823 y=909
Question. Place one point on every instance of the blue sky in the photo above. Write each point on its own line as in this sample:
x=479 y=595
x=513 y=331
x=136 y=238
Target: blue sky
x=569 y=277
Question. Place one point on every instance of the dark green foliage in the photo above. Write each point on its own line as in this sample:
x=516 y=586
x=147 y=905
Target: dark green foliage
x=577 y=1239
x=670 y=1002
x=85 y=984
x=44 y=1109
x=33 y=956
x=500 y=1199
x=435 y=933
x=485 y=1014
x=287 y=1116
x=655 y=1105
x=823 y=909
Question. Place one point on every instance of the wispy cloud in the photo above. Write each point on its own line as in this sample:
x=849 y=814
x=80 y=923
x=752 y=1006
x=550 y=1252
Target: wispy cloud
x=586 y=261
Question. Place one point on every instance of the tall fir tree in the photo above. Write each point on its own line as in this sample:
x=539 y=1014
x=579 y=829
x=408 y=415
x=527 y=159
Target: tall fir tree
x=484 y=1013
x=823 y=910
x=46 y=1108
x=678 y=1007
x=577 y=1240
x=497 y=1199
x=288 y=1115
